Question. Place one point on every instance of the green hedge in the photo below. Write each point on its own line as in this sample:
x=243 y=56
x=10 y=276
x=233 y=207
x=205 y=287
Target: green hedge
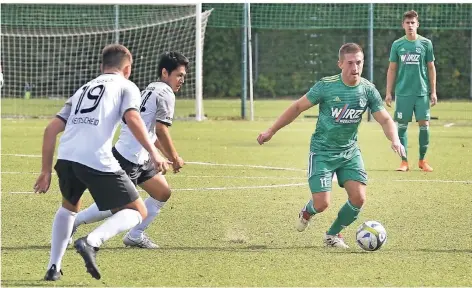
x=289 y=62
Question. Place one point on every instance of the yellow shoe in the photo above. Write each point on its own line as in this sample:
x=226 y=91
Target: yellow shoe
x=403 y=167
x=423 y=165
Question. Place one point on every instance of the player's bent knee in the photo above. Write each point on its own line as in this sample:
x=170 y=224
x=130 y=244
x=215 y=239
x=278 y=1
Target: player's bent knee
x=164 y=195
x=320 y=206
x=356 y=191
x=358 y=200
x=157 y=187
x=69 y=206
x=321 y=201
x=423 y=123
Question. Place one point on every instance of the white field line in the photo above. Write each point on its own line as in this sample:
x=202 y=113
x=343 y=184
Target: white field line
x=434 y=180
x=248 y=166
x=277 y=186
x=23 y=155
x=195 y=163
x=270 y=177
x=181 y=176
x=205 y=189
x=237 y=177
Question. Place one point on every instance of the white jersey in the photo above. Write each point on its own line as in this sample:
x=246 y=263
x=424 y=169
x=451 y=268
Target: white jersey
x=92 y=115
x=158 y=103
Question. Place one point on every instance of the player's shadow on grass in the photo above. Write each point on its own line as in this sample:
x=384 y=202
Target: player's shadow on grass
x=245 y=248
x=229 y=248
x=38 y=283
x=438 y=250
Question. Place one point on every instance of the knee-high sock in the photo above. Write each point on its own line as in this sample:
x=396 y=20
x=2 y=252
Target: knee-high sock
x=91 y=215
x=402 y=128
x=154 y=208
x=121 y=221
x=310 y=208
x=424 y=140
x=61 y=230
x=346 y=216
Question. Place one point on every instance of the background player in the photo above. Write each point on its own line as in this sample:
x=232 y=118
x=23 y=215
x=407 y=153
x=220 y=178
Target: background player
x=343 y=99
x=412 y=70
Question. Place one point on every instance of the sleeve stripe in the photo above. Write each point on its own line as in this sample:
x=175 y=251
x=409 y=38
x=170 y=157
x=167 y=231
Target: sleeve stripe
x=64 y=120
x=165 y=123
x=124 y=113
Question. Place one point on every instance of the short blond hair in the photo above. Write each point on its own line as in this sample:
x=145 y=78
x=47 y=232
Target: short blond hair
x=349 y=48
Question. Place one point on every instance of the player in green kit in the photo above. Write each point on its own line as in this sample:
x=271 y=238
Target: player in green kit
x=343 y=99
x=412 y=66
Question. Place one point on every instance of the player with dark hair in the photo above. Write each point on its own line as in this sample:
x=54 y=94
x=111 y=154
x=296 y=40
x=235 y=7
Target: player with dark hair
x=157 y=111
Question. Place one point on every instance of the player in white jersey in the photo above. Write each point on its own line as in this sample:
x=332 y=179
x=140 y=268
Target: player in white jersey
x=157 y=111
x=85 y=160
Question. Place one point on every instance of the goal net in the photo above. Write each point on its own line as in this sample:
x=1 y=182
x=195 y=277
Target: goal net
x=48 y=51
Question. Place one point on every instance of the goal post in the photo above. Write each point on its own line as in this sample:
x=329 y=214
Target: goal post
x=199 y=116
x=50 y=50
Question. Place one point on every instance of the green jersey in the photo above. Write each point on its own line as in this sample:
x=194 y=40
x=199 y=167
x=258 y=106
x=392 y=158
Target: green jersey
x=412 y=58
x=341 y=109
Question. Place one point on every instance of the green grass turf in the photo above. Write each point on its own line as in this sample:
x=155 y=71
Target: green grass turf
x=242 y=234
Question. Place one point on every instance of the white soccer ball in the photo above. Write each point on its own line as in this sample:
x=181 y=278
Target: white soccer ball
x=371 y=235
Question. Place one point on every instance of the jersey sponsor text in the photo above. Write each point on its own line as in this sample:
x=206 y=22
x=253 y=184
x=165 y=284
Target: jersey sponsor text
x=410 y=59
x=346 y=115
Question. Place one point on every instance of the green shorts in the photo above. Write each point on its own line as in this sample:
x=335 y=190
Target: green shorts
x=348 y=165
x=405 y=106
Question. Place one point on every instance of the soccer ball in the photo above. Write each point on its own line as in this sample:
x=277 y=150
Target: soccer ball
x=371 y=235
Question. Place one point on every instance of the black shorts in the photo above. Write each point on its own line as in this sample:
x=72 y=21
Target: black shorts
x=137 y=173
x=110 y=190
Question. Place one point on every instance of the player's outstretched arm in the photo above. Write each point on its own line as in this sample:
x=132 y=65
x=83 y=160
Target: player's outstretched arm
x=56 y=126
x=138 y=128
x=390 y=130
x=168 y=148
x=292 y=112
x=391 y=75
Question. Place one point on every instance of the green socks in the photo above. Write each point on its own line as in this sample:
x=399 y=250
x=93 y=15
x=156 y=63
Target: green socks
x=309 y=208
x=424 y=140
x=346 y=216
x=404 y=137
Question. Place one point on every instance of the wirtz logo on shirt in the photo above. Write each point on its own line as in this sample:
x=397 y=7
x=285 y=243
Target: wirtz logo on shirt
x=346 y=115
x=410 y=58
